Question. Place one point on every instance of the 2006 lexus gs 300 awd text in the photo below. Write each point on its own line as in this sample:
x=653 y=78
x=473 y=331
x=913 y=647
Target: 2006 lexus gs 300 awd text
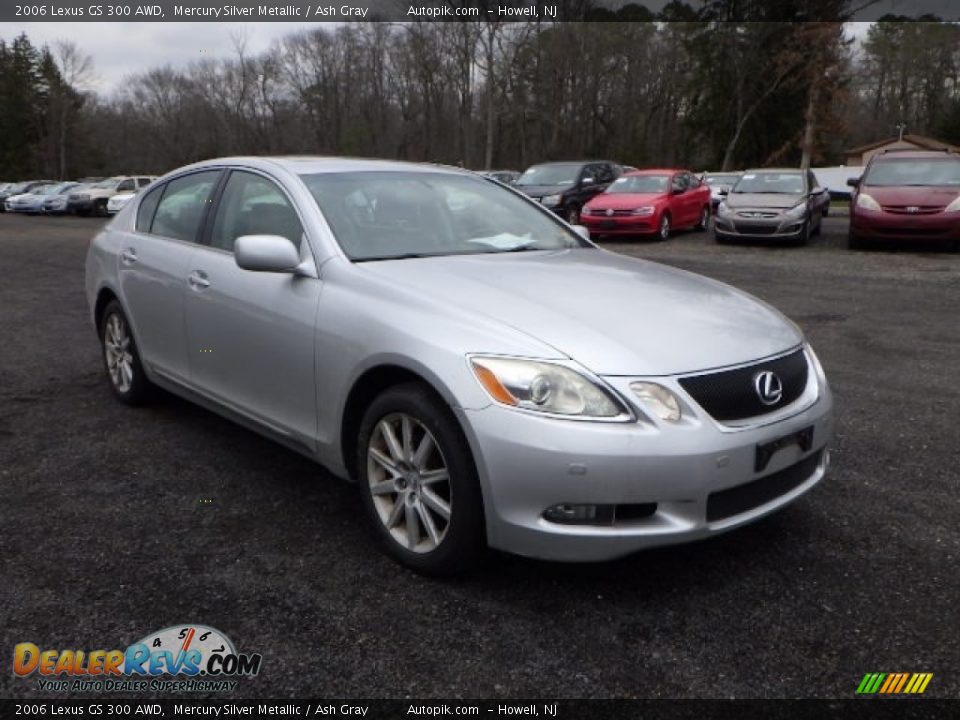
x=487 y=376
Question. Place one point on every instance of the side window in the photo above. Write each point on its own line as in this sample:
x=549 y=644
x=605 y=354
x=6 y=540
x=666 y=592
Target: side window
x=591 y=171
x=253 y=205
x=143 y=182
x=692 y=180
x=148 y=206
x=181 y=209
x=126 y=186
x=679 y=183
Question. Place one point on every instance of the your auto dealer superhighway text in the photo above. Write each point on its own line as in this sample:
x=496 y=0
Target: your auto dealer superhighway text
x=233 y=11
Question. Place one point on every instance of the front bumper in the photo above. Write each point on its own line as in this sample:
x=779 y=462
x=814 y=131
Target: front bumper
x=744 y=227
x=879 y=225
x=529 y=463
x=620 y=225
x=81 y=206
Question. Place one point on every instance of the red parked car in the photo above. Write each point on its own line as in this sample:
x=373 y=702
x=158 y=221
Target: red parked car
x=906 y=195
x=649 y=202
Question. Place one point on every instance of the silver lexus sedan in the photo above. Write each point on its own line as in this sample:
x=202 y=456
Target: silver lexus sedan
x=483 y=373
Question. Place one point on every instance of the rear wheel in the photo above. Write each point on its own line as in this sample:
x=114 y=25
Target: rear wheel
x=122 y=358
x=704 y=218
x=418 y=482
x=100 y=208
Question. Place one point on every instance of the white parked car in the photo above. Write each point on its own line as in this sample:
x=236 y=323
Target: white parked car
x=115 y=204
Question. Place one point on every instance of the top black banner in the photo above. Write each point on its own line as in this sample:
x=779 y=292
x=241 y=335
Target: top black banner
x=479 y=11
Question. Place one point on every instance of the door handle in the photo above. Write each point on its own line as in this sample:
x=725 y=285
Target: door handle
x=198 y=280
x=128 y=256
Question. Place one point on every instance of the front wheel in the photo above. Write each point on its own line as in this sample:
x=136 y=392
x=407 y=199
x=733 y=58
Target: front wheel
x=418 y=482
x=664 y=231
x=122 y=358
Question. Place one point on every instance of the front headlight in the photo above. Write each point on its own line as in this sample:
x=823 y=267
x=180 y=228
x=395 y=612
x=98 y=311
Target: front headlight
x=866 y=202
x=658 y=400
x=544 y=387
x=643 y=211
x=954 y=206
x=796 y=211
x=551 y=200
x=723 y=210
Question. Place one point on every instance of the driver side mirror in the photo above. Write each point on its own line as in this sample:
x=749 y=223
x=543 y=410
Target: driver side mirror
x=265 y=253
x=853 y=182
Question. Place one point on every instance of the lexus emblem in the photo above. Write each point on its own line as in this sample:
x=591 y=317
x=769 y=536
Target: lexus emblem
x=768 y=386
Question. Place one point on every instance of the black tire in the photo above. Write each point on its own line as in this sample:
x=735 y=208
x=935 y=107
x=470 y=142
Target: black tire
x=572 y=214
x=139 y=390
x=462 y=544
x=805 y=233
x=663 y=232
x=704 y=221
x=100 y=208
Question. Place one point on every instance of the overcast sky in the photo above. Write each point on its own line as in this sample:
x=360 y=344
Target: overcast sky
x=120 y=49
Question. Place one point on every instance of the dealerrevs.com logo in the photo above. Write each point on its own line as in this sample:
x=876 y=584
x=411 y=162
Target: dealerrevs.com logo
x=201 y=659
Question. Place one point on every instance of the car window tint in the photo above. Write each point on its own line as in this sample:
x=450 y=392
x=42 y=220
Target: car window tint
x=679 y=182
x=253 y=205
x=125 y=186
x=181 y=208
x=143 y=182
x=148 y=207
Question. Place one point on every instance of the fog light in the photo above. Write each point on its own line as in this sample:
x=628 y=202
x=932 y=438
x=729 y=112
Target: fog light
x=566 y=513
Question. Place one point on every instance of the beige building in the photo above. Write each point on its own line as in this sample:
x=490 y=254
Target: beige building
x=861 y=155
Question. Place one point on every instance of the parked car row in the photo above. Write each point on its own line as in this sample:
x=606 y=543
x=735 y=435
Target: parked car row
x=87 y=196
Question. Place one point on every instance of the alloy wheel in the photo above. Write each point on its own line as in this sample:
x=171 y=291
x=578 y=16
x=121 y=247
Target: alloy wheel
x=116 y=348
x=664 y=228
x=409 y=482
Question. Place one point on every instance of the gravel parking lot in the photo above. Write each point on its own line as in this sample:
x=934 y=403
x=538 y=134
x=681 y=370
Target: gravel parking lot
x=106 y=535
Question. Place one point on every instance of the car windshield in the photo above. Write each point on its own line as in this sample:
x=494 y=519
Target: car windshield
x=391 y=215
x=107 y=184
x=559 y=174
x=914 y=172
x=779 y=183
x=714 y=180
x=639 y=184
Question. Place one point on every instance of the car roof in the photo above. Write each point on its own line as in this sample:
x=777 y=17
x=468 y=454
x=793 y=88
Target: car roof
x=913 y=154
x=653 y=171
x=310 y=164
x=764 y=171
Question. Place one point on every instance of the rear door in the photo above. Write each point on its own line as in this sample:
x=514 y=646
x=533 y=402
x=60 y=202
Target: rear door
x=250 y=335
x=152 y=268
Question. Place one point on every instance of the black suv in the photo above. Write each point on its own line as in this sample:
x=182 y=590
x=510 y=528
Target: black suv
x=565 y=187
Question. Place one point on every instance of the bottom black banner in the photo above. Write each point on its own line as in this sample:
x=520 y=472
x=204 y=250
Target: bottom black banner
x=872 y=708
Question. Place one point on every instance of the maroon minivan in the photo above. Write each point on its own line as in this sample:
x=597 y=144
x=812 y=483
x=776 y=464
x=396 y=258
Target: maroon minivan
x=906 y=195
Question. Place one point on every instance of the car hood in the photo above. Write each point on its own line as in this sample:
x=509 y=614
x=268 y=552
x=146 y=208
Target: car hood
x=613 y=314
x=624 y=201
x=539 y=191
x=764 y=200
x=911 y=195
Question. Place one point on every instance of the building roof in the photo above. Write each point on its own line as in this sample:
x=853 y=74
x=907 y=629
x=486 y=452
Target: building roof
x=921 y=141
